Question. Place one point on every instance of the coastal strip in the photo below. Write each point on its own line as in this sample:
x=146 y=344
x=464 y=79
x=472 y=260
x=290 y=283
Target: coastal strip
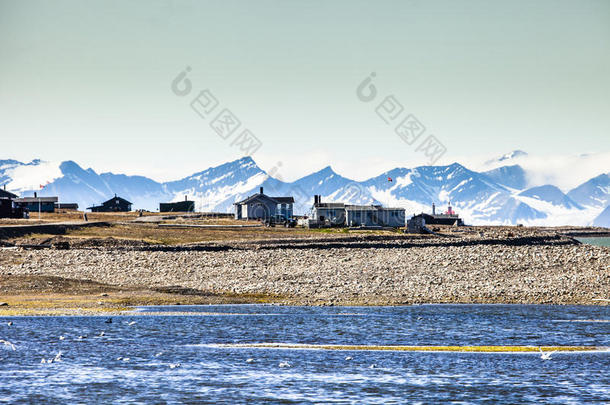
x=474 y=265
x=460 y=348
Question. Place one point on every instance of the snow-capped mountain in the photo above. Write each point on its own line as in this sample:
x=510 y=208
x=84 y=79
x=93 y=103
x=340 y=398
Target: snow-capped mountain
x=476 y=195
x=507 y=157
x=333 y=187
x=74 y=184
x=510 y=176
x=552 y=195
x=528 y=170
x=595 y=192
x=497 y=196
x=217 y=188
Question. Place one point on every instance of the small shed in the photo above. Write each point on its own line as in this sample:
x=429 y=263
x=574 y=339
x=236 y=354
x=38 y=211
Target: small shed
x=438 y=219
x=115 y=204
x=417 y=224
x=449 y=217
x=178 y=206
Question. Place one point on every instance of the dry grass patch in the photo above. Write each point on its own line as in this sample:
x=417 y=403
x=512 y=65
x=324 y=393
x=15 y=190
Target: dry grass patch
x=48 y=295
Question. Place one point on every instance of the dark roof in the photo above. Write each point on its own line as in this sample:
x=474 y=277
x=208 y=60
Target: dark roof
x=254 y=197
x=361 y=208
x=352 y=207
x=36 y=199
x=277 y=200
x=179 y=202
x=184 y=205
x=329 y=205
x=124 y=201
x=284 y=200
x=7 y=194
x=109 y=202
x=436 y=216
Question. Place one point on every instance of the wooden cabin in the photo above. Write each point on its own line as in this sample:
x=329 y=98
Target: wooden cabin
x=37 y=204
x=178 y=206
x=261 y=206
x=115 y=204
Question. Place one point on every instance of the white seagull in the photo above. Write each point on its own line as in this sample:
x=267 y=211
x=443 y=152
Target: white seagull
x=285 y=364
x=7 y=343
x=546 y=355
x=249 y=360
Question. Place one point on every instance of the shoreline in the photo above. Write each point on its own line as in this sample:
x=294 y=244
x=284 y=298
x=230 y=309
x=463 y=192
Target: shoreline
x=54 y=305
x=79 y=275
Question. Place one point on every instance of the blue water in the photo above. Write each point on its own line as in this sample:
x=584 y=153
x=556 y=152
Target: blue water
x=597 y=241
x=91 y=371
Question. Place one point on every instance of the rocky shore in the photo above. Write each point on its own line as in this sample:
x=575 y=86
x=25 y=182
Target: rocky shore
x=482 y=267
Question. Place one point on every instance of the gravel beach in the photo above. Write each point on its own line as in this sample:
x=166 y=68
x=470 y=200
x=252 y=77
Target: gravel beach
x=544 y=268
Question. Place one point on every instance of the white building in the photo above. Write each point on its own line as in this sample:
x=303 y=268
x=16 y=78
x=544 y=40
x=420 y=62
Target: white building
x=340 y=214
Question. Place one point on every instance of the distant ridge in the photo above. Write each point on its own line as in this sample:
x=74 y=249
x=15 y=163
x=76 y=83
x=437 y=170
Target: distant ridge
x=498 y=196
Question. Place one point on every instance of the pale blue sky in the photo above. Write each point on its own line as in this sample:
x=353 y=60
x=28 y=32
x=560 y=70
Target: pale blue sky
x=90 y=80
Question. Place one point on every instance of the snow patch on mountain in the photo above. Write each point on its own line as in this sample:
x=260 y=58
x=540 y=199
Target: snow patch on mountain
x=513 y=177
x=221 y=199
x=516 y=154
x=557 y=215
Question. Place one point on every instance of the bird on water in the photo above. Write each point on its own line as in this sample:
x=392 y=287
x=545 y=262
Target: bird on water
x=545 y=355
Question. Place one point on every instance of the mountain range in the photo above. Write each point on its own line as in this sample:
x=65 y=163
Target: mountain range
x=497 y=196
